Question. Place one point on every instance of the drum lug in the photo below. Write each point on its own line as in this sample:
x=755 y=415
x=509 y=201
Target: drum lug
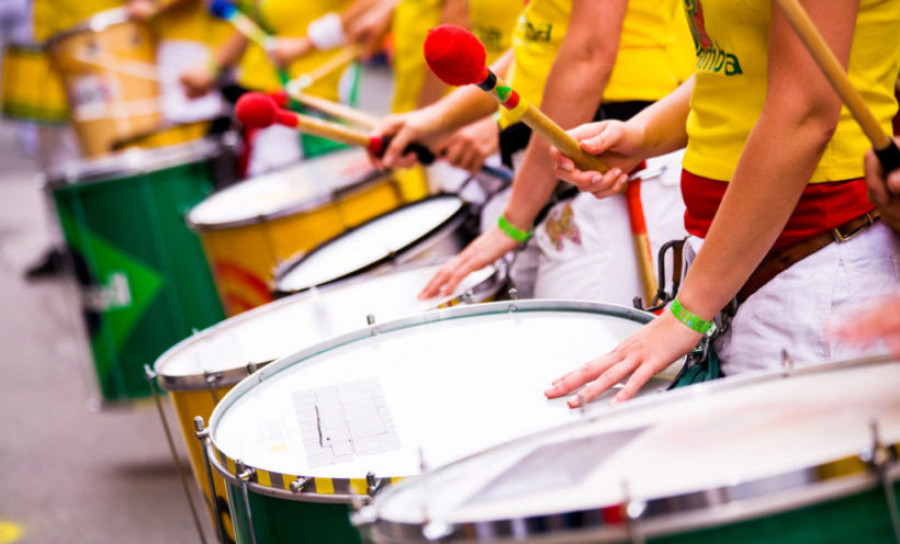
x=251 y=368
x=880 y=458
x=468 y=297
x=299 y=485
x=634 y=510
x=512 y=293
x=199 y=430
x=435 y=531
x=373 y=484
x=787 y=364
x=370 y=319
x=244 y=472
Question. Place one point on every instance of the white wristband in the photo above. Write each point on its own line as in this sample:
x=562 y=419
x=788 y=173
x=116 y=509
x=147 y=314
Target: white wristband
x=327 y=32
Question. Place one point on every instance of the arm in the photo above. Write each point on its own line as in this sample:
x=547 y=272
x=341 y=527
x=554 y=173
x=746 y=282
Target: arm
x=199 y=80
x=453 y=12
x=778 y=159
x=572 y=93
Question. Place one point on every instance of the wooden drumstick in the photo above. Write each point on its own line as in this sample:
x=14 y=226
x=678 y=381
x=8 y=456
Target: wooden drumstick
x=457 y=57
x=227 y=11
x=885 y=148
x=335 y=109
x=347 y=55
x=258 y=110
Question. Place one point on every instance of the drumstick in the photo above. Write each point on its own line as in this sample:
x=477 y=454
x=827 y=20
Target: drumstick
x=885 y=148
x=345 y=57
x=257 y=110
x=335 y=109
x=223 y=9
x=457 y=57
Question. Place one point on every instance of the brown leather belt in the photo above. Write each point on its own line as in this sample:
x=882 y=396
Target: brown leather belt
x=779 y=260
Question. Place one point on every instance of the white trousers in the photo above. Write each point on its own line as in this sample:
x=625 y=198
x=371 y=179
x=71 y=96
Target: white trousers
x=798 y=308
x=585 y=245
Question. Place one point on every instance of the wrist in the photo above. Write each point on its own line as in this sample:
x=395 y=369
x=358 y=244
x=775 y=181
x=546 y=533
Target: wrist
x=512 y=231
x=690 y=319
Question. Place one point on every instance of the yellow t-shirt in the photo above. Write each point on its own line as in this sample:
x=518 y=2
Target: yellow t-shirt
x=652 y=58
x=191 y=21
x=290 y=18
x=492 y=21
x=54 y=16
x=731 y=38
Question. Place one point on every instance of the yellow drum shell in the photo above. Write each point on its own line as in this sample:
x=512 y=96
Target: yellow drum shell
x=244 y=254
x=32 y=91
x=108 y=69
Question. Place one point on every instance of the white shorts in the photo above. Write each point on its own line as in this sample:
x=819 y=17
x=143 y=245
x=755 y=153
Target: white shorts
x=797 y=309
x=586 y=247
x=174 y=57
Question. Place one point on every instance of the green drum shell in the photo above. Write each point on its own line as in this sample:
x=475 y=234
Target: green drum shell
x=144 y=281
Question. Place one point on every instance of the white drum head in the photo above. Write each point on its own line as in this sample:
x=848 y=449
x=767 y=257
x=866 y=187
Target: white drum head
x=733 y=440
x=289 y=325
x=445 y=384
x=370 y=243
x=297 y=188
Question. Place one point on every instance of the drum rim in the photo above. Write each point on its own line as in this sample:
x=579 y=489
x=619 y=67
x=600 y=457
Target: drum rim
x=98 y=22
x=370 y=178
x=132 y=162
x=436 y=233
x=232 y=375
x=663 y=515
x=350 y=487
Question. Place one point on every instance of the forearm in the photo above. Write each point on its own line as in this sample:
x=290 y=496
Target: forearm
x=663 y=124
x=778 y=161
x=232 y=49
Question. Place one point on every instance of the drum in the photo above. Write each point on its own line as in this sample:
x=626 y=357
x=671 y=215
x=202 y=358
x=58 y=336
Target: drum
x=807 y=456
x=108 y=66
x=32 y=92
x=201 y=369
x=145 y=283
x=328 y=426
x=249 y=228
x=434 y=227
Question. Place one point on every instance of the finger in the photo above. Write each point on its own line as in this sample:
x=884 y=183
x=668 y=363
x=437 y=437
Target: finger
x=582 y=179
x=433 y=286
x=457 y=275
x=893 y=183
x=875 y=181
x=395 y=149
x=638 y=379
x=602 y=141
x=453 y=154
x=587 y=130
x=580 y=376
x=606 y=190
x=603 y=383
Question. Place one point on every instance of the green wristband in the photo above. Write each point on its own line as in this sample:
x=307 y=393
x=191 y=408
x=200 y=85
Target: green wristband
x=512 y=231
x=693 y=322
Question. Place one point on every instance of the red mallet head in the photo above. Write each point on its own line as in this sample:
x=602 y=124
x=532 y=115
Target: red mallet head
x=455 y=55
x=257 y=110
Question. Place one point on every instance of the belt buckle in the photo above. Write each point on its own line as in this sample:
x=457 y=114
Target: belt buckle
x=840 y=237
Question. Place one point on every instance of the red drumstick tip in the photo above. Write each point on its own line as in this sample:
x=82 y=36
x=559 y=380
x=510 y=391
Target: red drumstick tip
x=455 y=55
x=256 y=110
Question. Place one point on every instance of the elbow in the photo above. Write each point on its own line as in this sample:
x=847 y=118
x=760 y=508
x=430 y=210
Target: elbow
x=812 y=119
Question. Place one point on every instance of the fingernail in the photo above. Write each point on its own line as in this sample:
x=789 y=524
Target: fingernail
x=616 y=172
x=574 y=402
x=565 y=166
x=597 y=179
x=613 y=401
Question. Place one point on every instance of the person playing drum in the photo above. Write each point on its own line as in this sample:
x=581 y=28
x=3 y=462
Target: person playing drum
x=771 y=176
x=564 y=57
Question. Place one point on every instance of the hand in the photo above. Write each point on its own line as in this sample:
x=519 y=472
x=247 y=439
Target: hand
x=368 y=30
x=484 y=250
x=197 y=81
x=283 y=51
x=141 y=10
x=617 y=143
x=469 y=146
x=884 y=192
x=420 y=126
x=879 y=323
x=644 y=354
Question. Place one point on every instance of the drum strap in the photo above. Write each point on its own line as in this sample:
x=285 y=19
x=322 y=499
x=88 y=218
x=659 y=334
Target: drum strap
x=779 y=260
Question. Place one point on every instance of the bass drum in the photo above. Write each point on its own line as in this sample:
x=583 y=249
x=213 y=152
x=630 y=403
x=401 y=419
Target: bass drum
x=303 y=439
x=432 y=228
x=201 y=369
x=248 y=229
x=806 y=457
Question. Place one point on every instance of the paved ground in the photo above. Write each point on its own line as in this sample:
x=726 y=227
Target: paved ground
x=69 y=474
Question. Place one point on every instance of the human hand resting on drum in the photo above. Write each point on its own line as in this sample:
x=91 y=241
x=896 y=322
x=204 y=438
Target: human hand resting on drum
x=879 y=323
x=283 y=51
x=619 y=144
x=482 y=251
x=884 y=191
x=468 y=147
